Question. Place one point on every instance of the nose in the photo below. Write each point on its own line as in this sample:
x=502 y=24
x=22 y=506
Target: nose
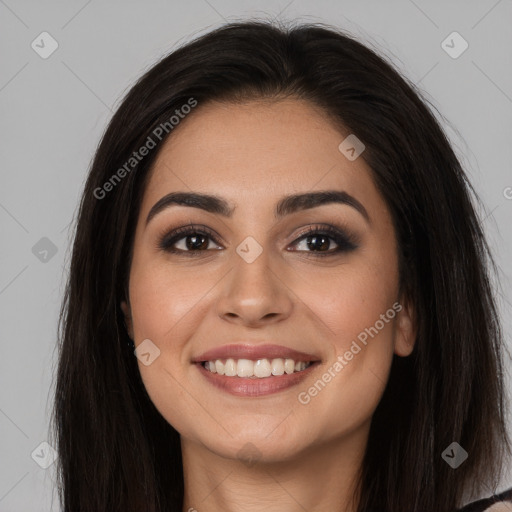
x=254 y=294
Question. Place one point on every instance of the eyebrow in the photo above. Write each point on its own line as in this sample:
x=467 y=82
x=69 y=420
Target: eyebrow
x=286 y=206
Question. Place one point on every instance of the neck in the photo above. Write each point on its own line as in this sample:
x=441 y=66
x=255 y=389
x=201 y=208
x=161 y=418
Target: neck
x=322 y=478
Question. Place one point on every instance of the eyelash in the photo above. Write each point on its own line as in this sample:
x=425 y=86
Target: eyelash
x=344 y=242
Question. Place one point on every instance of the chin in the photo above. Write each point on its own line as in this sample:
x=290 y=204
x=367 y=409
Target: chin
x=258 y=447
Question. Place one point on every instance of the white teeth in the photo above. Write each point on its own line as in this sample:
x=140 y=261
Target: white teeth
x=261 y=368
x=277 y=366
x=230 y=368
x=219 y=366
x=245 y=368
x=289 y=366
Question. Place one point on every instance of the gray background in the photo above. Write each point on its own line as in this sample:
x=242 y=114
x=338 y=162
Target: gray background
x=53 y=112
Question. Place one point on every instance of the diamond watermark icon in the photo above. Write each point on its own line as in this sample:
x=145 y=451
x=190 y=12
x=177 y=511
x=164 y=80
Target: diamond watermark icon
x=147 y=352
x=454 y=455
x=44 y=45
x=44 y=455
x=351 y=147
x=249 y=249
x=454 y=45
x=44 y=250
x=249 y=454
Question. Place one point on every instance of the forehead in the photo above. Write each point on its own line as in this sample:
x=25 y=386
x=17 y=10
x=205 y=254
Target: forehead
x=257 y=151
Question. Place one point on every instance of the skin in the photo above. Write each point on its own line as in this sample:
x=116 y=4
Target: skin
x=252 y=155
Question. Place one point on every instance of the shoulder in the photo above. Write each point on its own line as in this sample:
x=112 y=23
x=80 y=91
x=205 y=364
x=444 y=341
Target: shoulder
x=501 y=502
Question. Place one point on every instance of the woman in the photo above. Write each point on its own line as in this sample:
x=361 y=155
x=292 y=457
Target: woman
x=279 y=295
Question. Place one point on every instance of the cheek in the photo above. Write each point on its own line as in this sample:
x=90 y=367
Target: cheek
x=358 y=304
x=349 y=386
x=167 y=308
x=162 y=313
x=350 y=300
x=163 y=299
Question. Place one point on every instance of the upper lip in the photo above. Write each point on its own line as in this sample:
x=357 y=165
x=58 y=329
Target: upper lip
x=254 y=352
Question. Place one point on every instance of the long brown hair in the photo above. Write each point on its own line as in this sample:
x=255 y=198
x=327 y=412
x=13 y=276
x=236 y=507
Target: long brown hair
x=117 y=453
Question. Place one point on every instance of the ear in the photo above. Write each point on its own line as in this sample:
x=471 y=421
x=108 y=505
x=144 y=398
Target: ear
x=406 y=328
x=127 y=318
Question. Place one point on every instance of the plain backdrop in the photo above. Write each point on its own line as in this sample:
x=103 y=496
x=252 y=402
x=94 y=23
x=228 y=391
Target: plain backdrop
x=53 y=111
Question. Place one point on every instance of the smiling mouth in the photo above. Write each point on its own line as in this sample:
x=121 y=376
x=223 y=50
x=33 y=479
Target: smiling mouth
x=255 y=369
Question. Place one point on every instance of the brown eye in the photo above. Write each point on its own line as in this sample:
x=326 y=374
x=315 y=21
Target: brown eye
x=319 y=239
x=196 y=239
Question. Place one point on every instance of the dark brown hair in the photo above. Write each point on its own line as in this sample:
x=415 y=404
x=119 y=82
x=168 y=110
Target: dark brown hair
x=116 y=451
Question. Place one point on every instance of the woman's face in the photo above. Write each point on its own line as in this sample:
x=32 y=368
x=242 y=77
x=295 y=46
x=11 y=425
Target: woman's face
x=254 y=279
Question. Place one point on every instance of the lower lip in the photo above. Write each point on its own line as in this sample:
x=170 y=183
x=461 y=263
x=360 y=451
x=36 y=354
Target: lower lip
x=245 y=386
